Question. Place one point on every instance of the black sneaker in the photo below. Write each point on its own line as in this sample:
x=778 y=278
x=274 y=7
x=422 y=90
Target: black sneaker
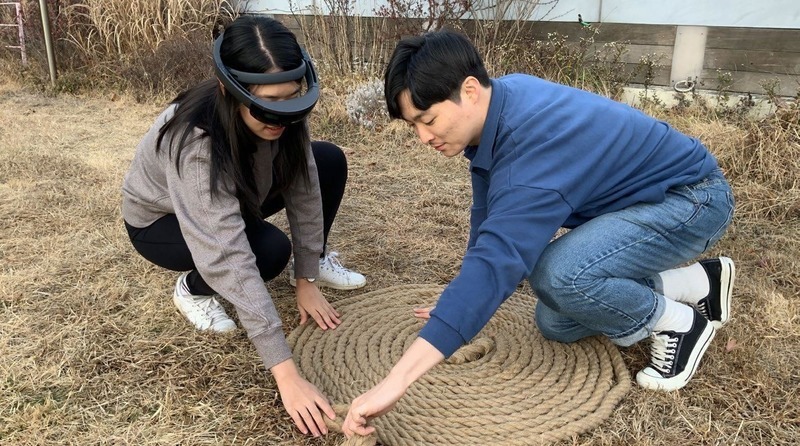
x=716 y=307
x=674 y=357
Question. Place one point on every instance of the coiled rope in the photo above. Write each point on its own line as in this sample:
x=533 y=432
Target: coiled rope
x=509 y=386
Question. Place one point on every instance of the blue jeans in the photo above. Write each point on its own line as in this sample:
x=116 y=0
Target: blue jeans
x=601 y=277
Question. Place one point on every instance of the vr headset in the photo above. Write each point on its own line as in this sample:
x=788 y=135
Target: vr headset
x=281 y=113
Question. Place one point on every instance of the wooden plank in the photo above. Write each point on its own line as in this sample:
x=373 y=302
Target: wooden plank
x=608 y=32
x=639 y=34
x=744 y=82
x=781 y=40
x=659 y=78
x=754 y=61
x=635 y=53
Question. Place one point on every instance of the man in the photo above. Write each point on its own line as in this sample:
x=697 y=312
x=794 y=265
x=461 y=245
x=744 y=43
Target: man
x=640 y=198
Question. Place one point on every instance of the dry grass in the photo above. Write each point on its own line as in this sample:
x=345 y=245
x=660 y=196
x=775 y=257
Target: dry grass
x=123 y=27
x=94 y=352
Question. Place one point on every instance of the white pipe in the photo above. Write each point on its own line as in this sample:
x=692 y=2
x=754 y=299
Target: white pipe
x=48 y=41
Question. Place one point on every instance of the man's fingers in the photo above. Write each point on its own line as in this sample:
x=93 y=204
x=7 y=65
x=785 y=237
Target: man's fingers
x=364 y=430
x=346 y=427
x=351 y=426
x=357 y=424
x=423 y=313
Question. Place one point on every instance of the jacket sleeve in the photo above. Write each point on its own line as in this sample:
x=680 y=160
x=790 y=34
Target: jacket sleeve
x=519 y=224
x=213 y=228
x=480 y=188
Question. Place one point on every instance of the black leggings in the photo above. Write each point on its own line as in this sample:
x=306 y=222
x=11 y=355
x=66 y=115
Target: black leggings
x=162 y=242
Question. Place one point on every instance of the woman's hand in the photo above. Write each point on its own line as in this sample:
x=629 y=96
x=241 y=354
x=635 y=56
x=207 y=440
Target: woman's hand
x=376 y=402
x=302 y=400
x=311 y=302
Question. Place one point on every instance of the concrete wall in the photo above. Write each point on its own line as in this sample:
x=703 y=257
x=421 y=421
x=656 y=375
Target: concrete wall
x=732 y=13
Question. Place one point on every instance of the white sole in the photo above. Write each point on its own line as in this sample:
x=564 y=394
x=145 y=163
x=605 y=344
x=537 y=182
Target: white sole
x=726 y=279
x=681 y=379
x=322 y=284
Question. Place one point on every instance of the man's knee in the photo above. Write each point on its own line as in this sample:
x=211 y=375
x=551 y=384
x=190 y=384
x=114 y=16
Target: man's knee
x=551 y=326
x=549 y=281
x=546 y=328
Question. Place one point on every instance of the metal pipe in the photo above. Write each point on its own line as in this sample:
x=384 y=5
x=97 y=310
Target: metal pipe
x=48 y=41
x=21 y=34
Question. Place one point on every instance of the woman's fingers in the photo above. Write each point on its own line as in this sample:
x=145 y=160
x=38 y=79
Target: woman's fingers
x=303 y=315
x=298 y=421
x=313 y=419
x=326 y=408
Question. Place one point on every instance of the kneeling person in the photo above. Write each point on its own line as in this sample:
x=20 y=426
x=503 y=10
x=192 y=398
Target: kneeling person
x=639 y=197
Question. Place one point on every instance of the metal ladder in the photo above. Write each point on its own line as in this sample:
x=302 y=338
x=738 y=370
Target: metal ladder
x=21 y=31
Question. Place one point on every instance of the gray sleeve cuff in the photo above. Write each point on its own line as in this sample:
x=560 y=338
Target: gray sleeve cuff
x=272 y=347
x=306 y=264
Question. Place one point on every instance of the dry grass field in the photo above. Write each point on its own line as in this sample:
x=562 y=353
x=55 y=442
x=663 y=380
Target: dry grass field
x=92 y=351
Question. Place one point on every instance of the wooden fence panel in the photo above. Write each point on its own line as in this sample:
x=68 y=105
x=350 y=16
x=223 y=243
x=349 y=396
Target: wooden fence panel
x=758 y=39
x=764 y=61
x=752 y=56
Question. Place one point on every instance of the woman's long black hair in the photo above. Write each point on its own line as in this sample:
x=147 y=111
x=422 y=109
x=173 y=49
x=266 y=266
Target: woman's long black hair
x=254 y=44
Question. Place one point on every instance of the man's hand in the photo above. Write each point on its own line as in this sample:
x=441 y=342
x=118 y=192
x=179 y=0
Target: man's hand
x=376 y=402
x=423 y=313
x=420 y=357
x=311 y=302
x=302 y=400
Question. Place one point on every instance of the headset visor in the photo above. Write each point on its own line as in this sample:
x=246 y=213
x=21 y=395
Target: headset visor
x=281 y=113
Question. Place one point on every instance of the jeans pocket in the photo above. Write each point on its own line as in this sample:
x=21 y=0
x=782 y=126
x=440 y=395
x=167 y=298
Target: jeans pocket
x=727 y=210
x=700 y=200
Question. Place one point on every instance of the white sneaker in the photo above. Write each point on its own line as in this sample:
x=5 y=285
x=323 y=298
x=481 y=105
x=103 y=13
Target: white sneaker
x=332 y=274
x=204 y=312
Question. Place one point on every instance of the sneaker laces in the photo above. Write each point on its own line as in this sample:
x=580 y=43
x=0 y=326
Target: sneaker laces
x=333 y=259
x=211 y=307
x=702 y=307
x=662 y=352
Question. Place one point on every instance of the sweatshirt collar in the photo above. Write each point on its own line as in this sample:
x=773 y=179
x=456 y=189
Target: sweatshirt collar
x=481 y=155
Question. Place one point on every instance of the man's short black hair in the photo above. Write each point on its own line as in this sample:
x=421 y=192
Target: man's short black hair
x=432 y=67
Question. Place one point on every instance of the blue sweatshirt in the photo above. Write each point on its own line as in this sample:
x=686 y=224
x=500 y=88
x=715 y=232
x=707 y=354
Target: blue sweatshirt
x=551 y=156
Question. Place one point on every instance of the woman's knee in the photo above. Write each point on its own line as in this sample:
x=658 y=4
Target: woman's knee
x=272 y=249
x=329 y=158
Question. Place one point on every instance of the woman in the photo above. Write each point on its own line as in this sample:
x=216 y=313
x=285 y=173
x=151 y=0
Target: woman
x=222 y=157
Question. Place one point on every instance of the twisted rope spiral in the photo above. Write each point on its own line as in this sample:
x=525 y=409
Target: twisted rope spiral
x=509 y=386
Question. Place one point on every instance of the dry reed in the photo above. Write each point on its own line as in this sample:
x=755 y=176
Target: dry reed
x=124 y=27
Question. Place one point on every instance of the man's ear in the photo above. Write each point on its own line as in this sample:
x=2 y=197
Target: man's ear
x=471 y=88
